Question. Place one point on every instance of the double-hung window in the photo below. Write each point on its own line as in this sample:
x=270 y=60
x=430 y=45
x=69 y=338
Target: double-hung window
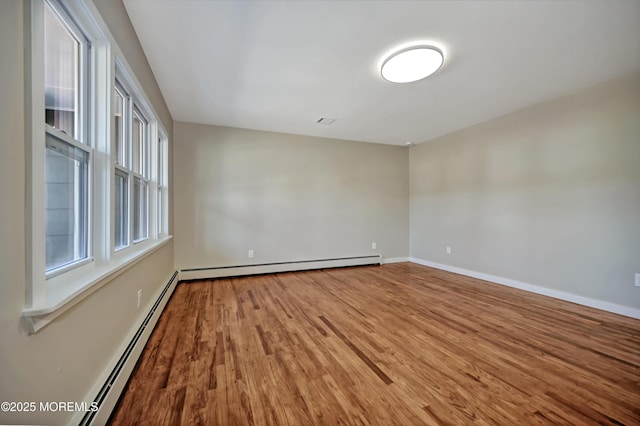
x=68 y=153
x=122 y=106
x=131 y=171
x=97 y=161
x=140 y=139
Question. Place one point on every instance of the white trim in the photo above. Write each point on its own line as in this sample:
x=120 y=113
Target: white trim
x=557 y=294
x=108 y=404
x=35 y=161
x=35 y=318
x=386 y=260
x=234 y=271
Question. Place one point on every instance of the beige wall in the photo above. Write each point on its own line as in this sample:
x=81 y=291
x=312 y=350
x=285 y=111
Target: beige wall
x=287 y=197
x=64 y=360
x=549 y=195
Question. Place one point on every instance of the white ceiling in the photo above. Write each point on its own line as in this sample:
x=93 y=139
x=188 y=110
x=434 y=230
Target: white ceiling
x=280 y=65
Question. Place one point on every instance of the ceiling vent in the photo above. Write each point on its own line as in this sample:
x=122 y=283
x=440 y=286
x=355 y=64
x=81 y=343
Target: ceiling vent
x=326 y=121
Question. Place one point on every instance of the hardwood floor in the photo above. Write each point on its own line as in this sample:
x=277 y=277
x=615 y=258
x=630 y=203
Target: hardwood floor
x=396 y=344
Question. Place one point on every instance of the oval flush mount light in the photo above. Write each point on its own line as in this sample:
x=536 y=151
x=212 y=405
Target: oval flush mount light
x=412 y=64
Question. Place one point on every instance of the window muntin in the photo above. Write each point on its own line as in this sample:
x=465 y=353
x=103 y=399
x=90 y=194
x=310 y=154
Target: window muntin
x=66 y=203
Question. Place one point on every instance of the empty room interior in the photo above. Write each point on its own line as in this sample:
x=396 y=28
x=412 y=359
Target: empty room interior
x=320 y=212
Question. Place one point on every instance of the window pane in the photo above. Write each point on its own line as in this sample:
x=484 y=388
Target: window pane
x=140 y=209
x=61 y=69
x=139 y=145
x=66 y=203
x=120 y=144
x=121 y=210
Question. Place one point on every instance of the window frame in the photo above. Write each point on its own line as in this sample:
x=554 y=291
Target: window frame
x=137 y=108
x=80 y=138
x=125 y=167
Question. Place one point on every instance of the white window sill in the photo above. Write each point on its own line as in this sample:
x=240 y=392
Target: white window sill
x=37 y=317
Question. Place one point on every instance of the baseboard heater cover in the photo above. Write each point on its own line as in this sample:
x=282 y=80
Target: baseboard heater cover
x=115 y=382
x=267 y=268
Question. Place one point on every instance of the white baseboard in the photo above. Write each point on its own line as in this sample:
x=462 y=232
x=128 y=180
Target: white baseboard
x=557 y=294
x=270 y=268
x=395 y=259
x=106 y=392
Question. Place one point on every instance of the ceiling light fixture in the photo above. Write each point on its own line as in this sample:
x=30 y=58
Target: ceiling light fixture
x=411 y=64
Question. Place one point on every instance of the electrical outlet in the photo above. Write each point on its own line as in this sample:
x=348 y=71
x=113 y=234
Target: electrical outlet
x=637 y=280
x=374 y=245
x=448 y=250
x=139 y=297
x=250 y=254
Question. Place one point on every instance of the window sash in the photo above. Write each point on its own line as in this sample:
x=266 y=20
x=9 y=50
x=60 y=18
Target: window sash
x=140 y=209
x=121 y=209
x=80 y=70
x=67 y=156
x=122 y=145
x=67 y=202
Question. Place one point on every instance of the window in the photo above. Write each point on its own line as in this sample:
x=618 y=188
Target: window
x=141 y=184
x=97 y=198
x=67 y=158
x=122 y=150
x=131 y=213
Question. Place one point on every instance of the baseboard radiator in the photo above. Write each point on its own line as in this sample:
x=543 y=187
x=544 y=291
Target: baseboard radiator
x=108 y=395
x=268 y=268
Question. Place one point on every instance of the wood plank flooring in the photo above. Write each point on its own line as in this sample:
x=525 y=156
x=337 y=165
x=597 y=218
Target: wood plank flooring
x=396 y=344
